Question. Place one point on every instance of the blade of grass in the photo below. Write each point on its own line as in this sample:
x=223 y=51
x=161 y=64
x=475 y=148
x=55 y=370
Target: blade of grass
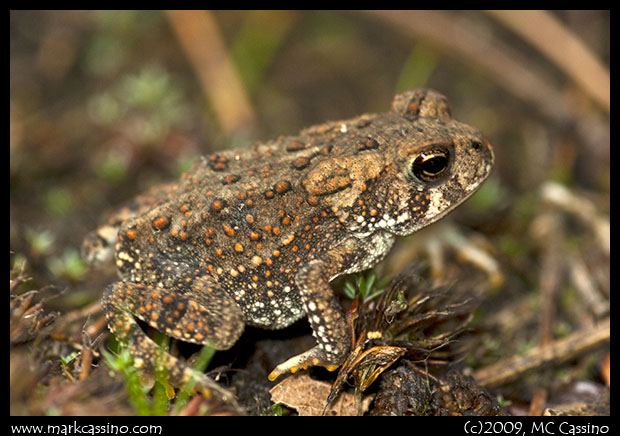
x=201 y=41
x=206 y=354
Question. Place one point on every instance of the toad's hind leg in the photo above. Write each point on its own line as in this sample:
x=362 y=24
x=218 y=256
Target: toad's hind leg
x=200 y=314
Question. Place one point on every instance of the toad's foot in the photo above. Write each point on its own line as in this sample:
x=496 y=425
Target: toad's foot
x=313 y=357
x=207 y=387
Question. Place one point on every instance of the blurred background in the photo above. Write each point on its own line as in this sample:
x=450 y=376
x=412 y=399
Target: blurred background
x=104 y=104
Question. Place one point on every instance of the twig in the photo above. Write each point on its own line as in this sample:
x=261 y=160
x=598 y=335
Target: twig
x=551 y=273
x=545 y=32
x=509 y=369
x=582 y=208
x=589 y=293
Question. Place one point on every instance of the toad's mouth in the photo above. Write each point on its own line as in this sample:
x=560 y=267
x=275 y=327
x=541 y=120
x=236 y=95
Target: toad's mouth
x=440 y=202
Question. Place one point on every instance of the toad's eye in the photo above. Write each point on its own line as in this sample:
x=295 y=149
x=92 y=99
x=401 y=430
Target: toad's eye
x=430 y=165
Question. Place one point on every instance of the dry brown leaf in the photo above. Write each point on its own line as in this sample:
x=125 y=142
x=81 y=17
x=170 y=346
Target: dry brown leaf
x=309 y=396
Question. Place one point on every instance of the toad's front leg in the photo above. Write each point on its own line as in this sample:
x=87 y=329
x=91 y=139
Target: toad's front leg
x=324 y=313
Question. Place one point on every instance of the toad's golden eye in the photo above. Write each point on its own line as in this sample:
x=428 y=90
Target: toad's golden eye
x=430 y=165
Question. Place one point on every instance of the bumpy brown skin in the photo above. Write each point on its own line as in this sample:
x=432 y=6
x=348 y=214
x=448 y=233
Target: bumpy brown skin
x=254 y=236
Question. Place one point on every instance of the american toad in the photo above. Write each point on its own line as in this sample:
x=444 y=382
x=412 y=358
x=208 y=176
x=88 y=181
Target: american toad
x=254 y=236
